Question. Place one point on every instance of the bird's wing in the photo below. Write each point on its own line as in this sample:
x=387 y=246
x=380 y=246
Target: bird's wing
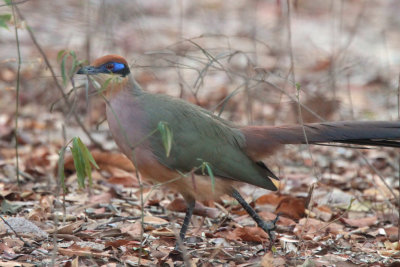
x=199 y=136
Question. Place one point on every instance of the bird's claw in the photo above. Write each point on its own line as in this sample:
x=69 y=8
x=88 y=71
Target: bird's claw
x=269 y=227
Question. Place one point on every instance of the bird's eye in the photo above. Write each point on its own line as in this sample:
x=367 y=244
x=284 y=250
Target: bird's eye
x=110 y=66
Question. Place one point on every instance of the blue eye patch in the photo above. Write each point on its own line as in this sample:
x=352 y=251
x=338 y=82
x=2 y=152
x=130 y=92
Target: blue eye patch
x=114 y=67
x=118 y=66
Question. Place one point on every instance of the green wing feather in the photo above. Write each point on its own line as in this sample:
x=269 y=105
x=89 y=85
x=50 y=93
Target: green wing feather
x=199 y=136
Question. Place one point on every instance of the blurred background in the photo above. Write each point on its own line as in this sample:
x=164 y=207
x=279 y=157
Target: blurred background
x=252 y=61
x=345 y=54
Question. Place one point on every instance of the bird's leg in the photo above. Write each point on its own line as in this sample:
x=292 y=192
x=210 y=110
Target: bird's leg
x=268 y=227
x=186 y=221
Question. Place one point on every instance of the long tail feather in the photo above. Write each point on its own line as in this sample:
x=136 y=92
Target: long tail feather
x=263 y=140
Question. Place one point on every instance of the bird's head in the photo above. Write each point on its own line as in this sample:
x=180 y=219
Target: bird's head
x=111 y=67
x=110 y=64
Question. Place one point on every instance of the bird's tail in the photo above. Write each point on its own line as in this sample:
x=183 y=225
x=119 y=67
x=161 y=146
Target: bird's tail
x=263 y=140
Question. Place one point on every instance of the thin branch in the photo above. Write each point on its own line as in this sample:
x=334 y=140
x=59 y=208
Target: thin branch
x=16 y=234
x=17 y=95
x=15 y=3
x=58 y=86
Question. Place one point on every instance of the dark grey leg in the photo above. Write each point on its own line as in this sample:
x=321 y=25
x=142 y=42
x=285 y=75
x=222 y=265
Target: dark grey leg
x=268 y=227
x=186 y=221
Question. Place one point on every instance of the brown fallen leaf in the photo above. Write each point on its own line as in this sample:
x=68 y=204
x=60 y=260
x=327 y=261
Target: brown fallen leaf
x=84 y=252
x=392 y=245
x=121 y=242
x=361 y=222
x=292 y=207
x=308 y=228
x=323 y=212
x=269 y=260
x=248 y=234
x=15 y=264
x=272 y=199
x=156 y=221
x=132 y=229
x=38 y=160
x=101 y=198
x=69 y=229
x=178 y=205
x=269 y=216
x=75 y=262
x=46 y=202
x=5 y=248
x=134 y=261
x=165 y=232
x=37 y=214
x=391 y=233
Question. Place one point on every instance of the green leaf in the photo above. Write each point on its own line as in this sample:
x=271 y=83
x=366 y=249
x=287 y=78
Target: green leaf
x=87 y=159
x=4 y=19
x=73 y=68
x=90 y=157
x=86 y=163
x=75 y=64
x=298 y=86
x=72 y=53
x=63 y=74
x=166 y=136
x=205 y=166
x=78 y=162
x=61 y=173
x=60 y=54
x=83 y=161
x=63 y=56
x=211 y=174
x=8 y=2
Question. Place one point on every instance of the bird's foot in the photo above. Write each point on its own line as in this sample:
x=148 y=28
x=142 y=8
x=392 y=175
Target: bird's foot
x=269 y=227
x=177 y=247
x=179 y=252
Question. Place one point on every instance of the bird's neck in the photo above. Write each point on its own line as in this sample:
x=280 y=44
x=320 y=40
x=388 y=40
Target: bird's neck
x=111 y=85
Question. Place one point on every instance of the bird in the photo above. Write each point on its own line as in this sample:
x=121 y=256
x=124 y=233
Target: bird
x=199 y=140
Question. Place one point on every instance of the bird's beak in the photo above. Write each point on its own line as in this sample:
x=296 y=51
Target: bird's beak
x=88 y=70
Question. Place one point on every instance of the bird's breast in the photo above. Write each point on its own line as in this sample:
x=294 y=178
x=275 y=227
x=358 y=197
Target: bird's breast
x=126 y=121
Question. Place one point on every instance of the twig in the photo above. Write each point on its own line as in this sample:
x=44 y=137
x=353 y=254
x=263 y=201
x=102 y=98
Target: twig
x=13 y=7
x=54 y=208
x=14 y=3
x=16 y=234
x=348 y=76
